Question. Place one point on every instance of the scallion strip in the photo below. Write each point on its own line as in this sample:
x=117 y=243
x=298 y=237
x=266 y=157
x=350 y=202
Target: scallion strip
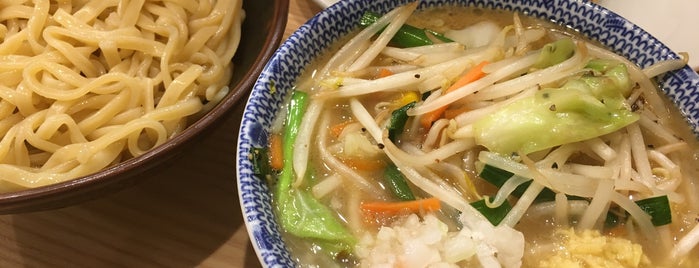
x=397 y=121
x=260 y=161
x=498 y=177
x=494 y=215
x=397 y=183
x=407 y=35
x=658 y=208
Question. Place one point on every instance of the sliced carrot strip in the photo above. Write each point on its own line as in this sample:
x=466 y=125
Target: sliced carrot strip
x=383 y=72
x=415 y=206
x=336 y=130
x=364 y=164
x=452 y=113
x=473 y=74
x=276 y=153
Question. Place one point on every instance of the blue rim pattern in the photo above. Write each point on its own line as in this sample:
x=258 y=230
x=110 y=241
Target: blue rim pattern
x=311 y=39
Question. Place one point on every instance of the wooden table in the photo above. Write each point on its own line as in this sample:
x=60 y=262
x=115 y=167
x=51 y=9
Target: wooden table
x=187 y=214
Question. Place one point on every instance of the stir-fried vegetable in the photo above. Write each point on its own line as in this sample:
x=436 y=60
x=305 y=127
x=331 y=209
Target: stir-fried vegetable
x=364 y=164
x=555 y=53
x=411 y=206
x=397 y=121
x=395 y=181
x=276 y=153
x=473 y=74
x=499 y=177
x=299 y=212
x=494 y=215
x=407 y=36
x=583 y=108
x=658 y=208
x=260 y=161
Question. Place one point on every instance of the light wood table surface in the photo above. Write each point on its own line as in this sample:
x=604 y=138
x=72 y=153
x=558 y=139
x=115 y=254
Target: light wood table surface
x=185 y=214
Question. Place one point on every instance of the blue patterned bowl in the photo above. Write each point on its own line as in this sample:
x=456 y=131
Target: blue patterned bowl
x=280 y=73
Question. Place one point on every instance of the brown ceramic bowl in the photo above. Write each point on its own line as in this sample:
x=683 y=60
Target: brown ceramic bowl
x=262 y=32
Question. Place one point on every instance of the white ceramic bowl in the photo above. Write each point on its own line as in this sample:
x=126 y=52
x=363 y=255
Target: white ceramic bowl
x=596 y=22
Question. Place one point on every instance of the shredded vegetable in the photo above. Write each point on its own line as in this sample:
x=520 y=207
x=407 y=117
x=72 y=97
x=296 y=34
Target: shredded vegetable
x=411 y=206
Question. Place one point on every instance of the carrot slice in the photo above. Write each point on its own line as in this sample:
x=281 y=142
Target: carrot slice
x=415 y=206
x=364 y=164
x=336 y=130
x=276 y=153
x=452 y=113
x=383 y=72
x=473 y=74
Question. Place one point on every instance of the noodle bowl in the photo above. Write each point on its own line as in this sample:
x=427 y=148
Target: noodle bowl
x=580 y=189
x=87 y=84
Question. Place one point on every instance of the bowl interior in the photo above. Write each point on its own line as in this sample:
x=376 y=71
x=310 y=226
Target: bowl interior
x=262 y=16
x=279 y=75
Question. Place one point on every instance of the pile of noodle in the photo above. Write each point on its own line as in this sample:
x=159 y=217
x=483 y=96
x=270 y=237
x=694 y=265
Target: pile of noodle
x=87 y=84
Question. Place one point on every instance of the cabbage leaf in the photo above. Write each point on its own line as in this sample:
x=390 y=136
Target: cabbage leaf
x=299 y=212
x=584 y=107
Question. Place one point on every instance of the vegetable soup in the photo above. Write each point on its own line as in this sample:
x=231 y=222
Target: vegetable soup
x=462 y=136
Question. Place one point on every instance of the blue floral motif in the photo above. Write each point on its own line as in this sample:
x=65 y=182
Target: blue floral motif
x=311 y=39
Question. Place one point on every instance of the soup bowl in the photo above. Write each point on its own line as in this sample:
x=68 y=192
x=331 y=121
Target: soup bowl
x=317 y=34
x=268 y=17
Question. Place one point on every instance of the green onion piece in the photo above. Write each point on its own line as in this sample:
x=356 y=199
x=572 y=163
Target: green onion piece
x=494 y=215
x=611 y=220
x=425 y=95
x=397 y=121
x=407 y=35
x=658 y=208
x=395 y=181
x=498 y=177
x=260 y=161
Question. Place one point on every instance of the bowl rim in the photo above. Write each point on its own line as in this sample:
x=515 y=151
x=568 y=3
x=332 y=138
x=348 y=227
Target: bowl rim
x=270 y=258
x=116 y=177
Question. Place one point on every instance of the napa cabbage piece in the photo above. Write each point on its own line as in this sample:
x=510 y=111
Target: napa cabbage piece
x=555 y=53
x=298 y=211
x=585 y=107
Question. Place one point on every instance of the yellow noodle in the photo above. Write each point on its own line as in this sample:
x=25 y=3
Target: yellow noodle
x=86 y=84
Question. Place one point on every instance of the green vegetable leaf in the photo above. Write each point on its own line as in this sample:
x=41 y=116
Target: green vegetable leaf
x=555 y=52
x=304 y=216
x=583 y=108
x=299 y=212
